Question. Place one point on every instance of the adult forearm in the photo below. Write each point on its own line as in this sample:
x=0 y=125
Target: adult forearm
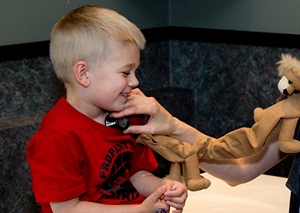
x=242 y=170
x=184 y=132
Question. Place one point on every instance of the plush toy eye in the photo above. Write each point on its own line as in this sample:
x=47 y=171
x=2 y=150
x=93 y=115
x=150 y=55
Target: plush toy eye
x=290 y=81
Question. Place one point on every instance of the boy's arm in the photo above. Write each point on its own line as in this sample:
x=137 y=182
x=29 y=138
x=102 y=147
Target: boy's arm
x=149 y=205
x=176 y=192
x=145 y=182
x=76 y=206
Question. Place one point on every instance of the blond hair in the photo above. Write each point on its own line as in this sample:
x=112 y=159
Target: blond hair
x=88 y=33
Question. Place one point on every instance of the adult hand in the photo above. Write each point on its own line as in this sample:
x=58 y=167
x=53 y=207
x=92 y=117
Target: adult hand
x=160 y=120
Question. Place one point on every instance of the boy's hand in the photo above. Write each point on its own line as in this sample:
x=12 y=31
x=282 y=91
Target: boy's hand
x=154 y=201
x=175 y=195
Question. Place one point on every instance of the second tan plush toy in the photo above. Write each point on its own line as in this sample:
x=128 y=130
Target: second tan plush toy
x=242 y=142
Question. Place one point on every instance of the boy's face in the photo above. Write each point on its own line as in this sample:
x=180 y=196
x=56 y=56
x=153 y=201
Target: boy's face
x=114 y=79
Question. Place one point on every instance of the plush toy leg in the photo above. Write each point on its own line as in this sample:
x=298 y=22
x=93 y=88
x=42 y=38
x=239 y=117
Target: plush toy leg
x=175 y=173
x=286 y=142
x=194 y=181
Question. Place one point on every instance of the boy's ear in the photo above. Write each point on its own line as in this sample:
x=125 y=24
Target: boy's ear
x=81 y=72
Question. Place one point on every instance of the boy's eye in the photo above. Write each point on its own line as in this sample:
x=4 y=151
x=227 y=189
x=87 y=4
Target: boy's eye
x=126 y=73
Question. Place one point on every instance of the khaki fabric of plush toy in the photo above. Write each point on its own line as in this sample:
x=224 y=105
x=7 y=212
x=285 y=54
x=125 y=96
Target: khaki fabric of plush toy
x=287 y=112
x=241 y=142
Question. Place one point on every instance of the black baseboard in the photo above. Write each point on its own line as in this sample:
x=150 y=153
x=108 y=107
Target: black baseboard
x=25 y=50
x=36 y=49
x=223 y=36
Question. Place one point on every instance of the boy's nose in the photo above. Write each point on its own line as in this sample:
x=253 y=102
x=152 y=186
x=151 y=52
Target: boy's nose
x=133 y=81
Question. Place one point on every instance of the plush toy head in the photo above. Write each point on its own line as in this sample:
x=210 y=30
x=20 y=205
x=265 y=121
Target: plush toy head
x=289 y=71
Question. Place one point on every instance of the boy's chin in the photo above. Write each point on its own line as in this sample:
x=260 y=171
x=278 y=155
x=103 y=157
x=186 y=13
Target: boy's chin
x=118 y=109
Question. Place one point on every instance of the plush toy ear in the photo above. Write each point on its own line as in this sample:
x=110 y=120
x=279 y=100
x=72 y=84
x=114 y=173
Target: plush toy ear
x=81 y=73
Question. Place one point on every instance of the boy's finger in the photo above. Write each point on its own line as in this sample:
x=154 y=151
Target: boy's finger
x=158 y=193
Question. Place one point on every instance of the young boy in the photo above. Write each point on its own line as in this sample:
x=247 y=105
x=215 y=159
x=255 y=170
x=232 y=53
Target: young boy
x=77 y=163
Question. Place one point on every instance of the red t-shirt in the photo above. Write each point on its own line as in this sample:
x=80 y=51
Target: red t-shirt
x=72 y=156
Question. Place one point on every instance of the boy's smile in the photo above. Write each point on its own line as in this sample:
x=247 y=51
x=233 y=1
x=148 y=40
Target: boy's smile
x=111 y=81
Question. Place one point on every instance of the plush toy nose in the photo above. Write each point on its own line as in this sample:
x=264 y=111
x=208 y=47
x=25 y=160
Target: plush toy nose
x=285 y=86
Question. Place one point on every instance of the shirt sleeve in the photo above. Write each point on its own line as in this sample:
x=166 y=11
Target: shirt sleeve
x=55 y=168
x=143 y=159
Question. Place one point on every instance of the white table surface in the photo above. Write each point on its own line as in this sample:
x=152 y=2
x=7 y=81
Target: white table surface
x=265 y=194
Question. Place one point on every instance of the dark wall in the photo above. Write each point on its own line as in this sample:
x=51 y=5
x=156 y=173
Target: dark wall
x=213 y=85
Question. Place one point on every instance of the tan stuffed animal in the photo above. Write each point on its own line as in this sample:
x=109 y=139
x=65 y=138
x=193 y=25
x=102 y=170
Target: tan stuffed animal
x=287 y=110
x=238 y=143
x=242 y=142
